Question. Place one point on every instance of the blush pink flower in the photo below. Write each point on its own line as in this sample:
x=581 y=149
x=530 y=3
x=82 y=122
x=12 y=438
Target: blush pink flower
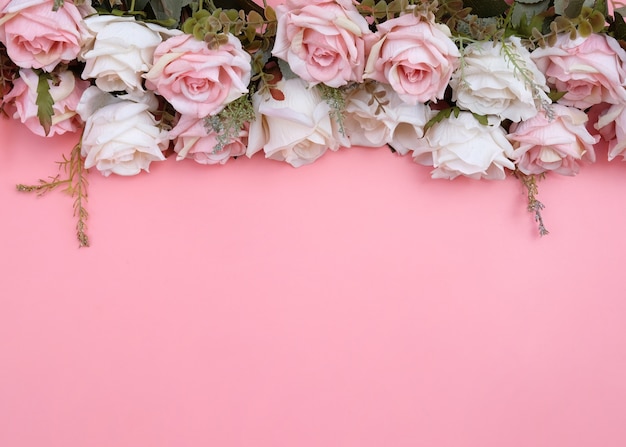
x=65 y=90
x=196 y=79
x=559 y=144
x=38 y=37
x=324 y=41
x=415 y=56
x=590 y=69
x=612 y=127
x=193 y=140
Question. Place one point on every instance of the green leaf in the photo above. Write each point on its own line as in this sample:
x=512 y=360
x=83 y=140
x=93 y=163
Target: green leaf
x=44 y=102
x=555 y=95
x=167 y=9
x=486 y=8
x=602 y=6
x=482 y=119
x=140 y=5
x=618 y=27
x=528 y=10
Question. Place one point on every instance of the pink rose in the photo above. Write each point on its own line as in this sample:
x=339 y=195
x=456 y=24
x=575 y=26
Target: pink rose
x=38 y=37
x=193 y=140
x=612 y=127
x=416 y=57
x=65 y=90
x=324 y=41
x=196 y=79
x=559 y=144
x=590 y=70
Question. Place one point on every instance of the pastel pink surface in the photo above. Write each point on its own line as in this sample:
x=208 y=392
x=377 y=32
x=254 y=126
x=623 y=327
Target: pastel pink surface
x=354 y=302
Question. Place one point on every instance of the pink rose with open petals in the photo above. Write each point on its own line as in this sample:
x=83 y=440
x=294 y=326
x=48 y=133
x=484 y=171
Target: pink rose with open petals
x=196 y=79
x=590 y=69
x=415 y=56
x=559 y=144
x=193 y=140
x=65 y=90
x=38 y=37
x=324 y=41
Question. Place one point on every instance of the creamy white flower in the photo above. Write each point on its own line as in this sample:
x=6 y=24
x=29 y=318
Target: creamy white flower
x=490 y=82
x=397 y=123
x=462 y=146
x=118 y=50
x=297 y=130
x=121 y=136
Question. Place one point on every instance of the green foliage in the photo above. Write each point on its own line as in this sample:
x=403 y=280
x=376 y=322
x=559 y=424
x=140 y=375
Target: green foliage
x=442 y=115
x=167 y=10
x=445 y=114
x=8 y=72
x=336 y=99
x=230 y=121
x=44 y=101
x=254 y=29
x=617 y=27
x=526 y=10
x=487 y=8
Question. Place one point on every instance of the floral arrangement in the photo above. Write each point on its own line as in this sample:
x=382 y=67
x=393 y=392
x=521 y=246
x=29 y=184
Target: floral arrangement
x=475 y=88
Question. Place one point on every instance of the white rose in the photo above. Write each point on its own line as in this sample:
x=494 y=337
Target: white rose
x=462 y=146
x=489 y=83
x=121 y=136
x=117 y=51
x=397 y=123
x=297 y=130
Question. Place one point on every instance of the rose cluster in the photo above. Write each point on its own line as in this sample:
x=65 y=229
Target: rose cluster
x=465 y=107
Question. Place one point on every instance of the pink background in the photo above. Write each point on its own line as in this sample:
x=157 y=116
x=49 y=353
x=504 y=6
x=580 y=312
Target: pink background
x=354 y=302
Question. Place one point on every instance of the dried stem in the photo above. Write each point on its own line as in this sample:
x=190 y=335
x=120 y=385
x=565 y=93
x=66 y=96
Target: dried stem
x=534 y=205
x=75 y=183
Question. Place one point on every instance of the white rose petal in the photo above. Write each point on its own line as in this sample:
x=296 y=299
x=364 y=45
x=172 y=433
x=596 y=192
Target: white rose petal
x=462 y=146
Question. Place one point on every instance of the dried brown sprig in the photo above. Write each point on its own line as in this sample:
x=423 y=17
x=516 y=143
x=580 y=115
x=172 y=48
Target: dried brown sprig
x=75 y=184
